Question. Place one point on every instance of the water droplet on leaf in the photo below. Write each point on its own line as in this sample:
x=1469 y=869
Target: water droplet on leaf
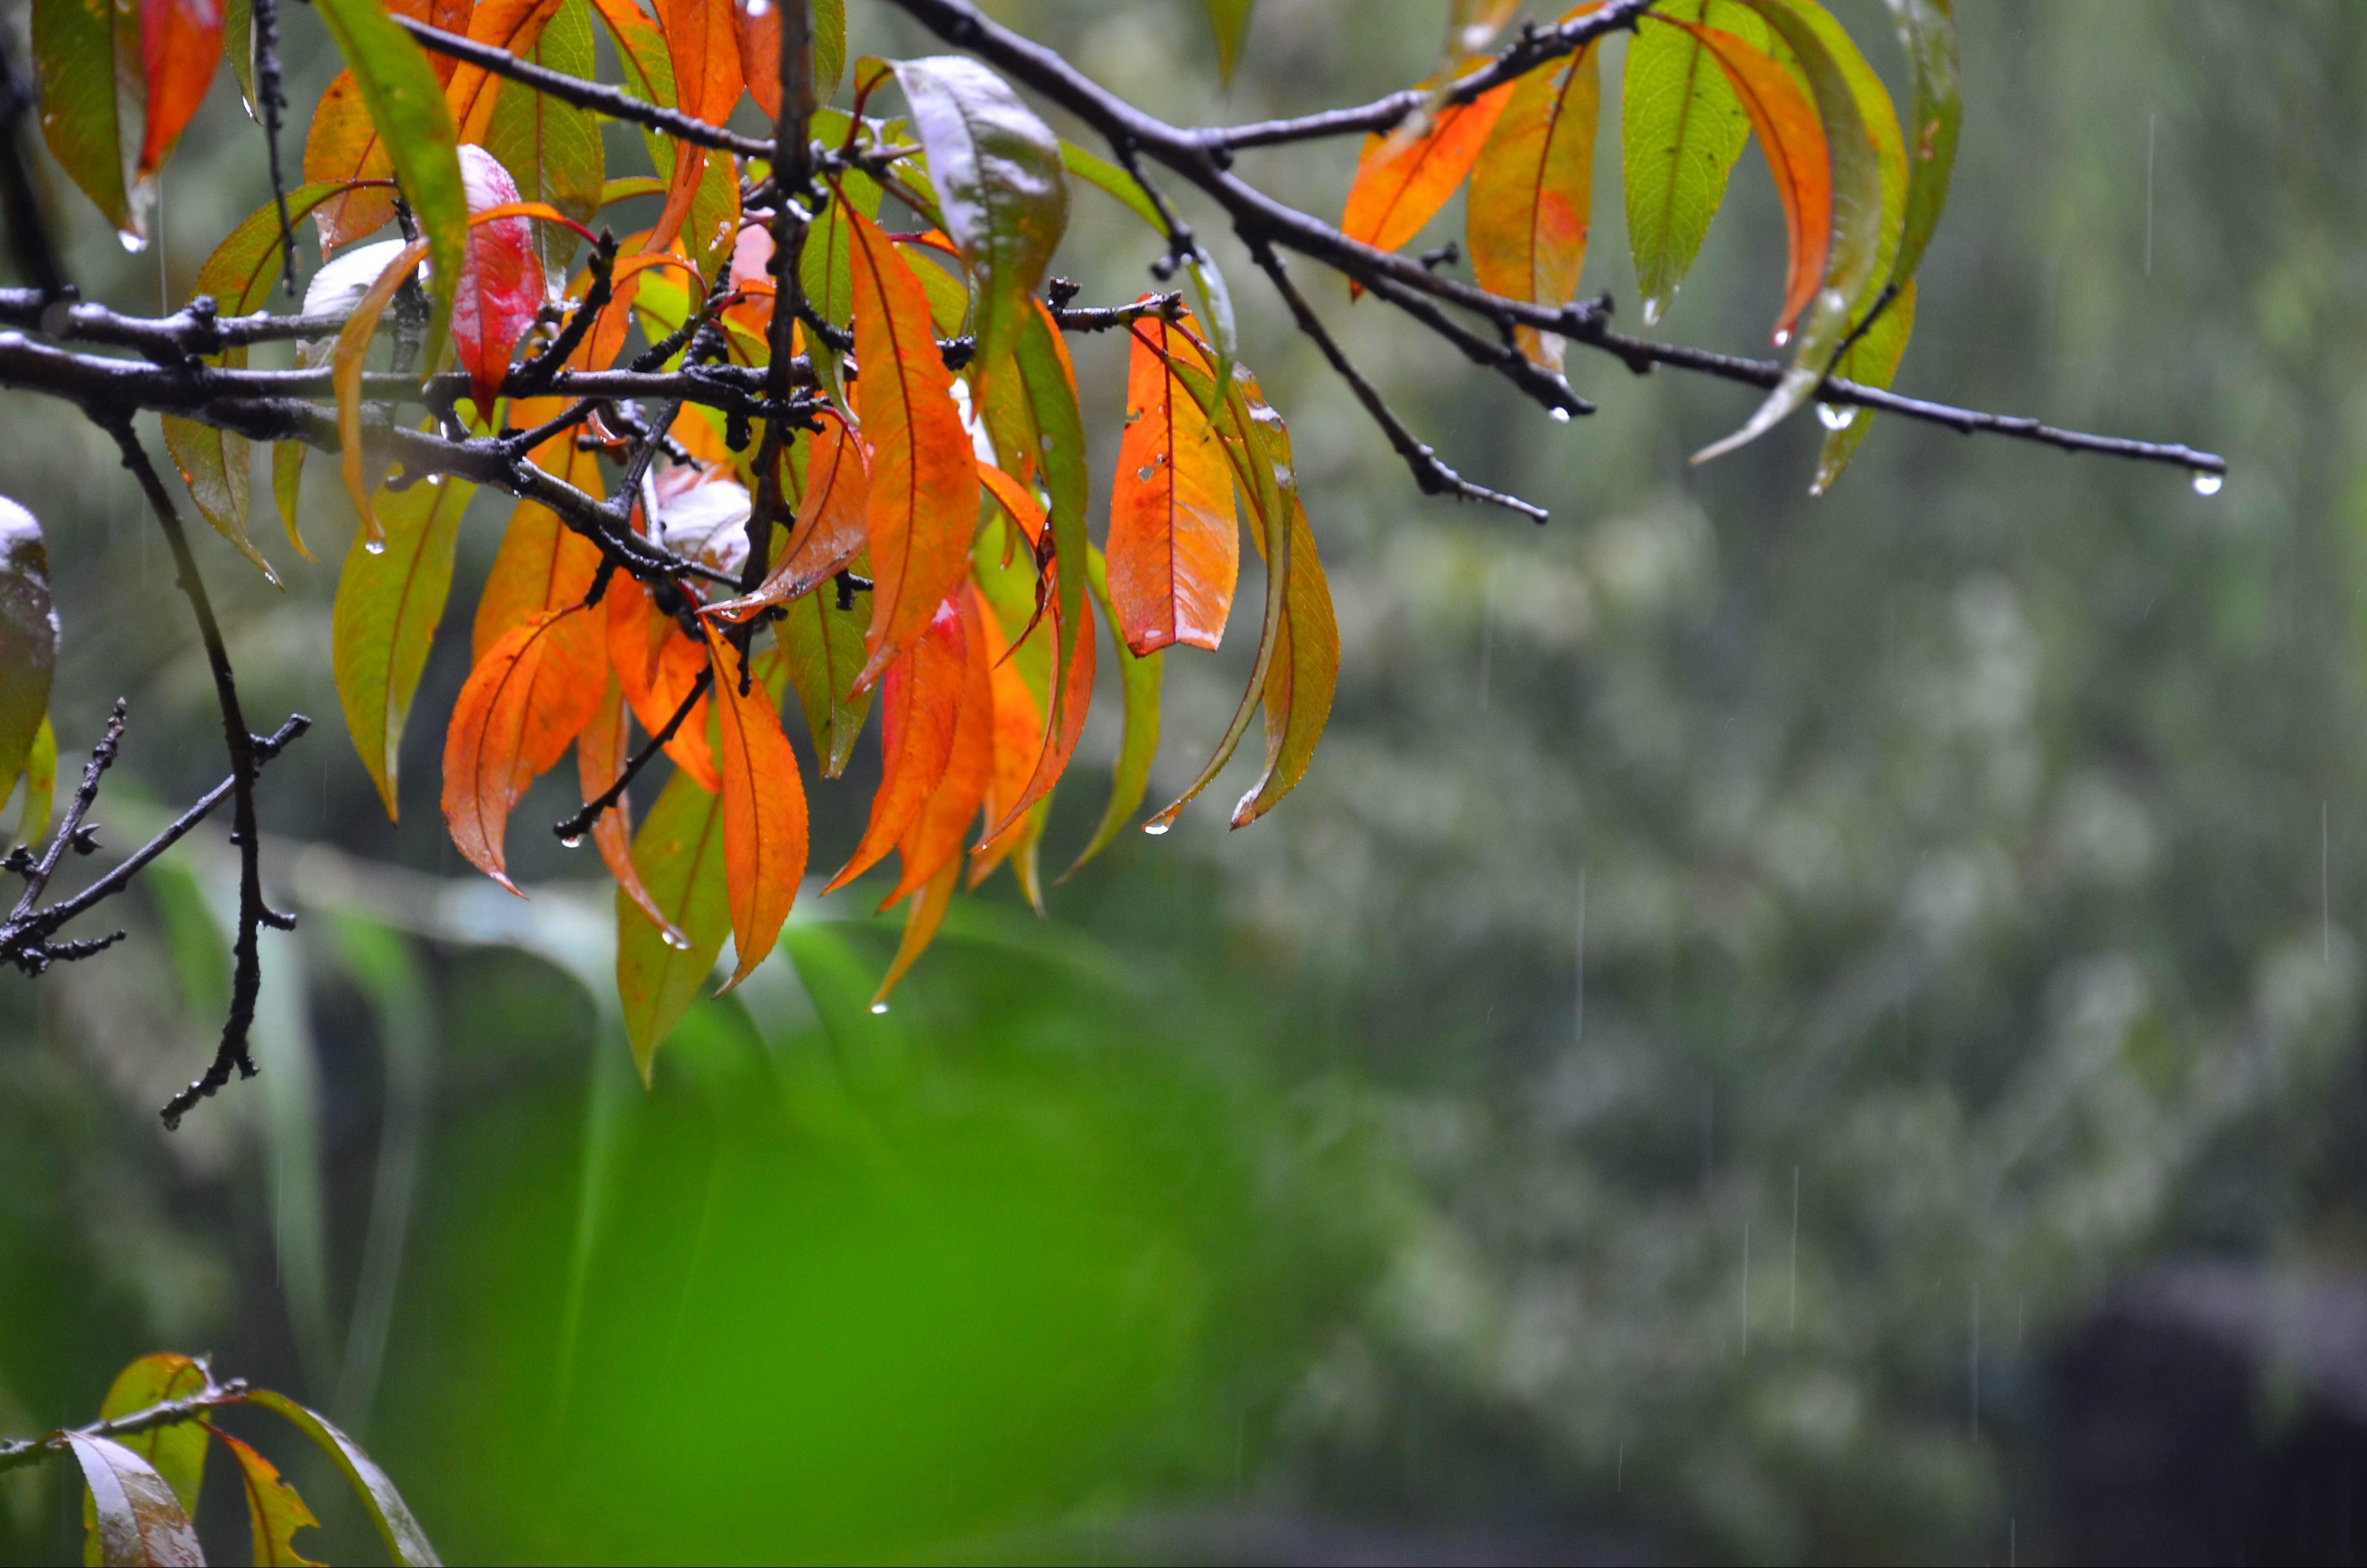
x=374 y=547
x=2208 y=483
x=877 y=1009
x=132 y=242
x=675 y=940
x=1834 y=418
x=1652 y=309
x=1157 y=826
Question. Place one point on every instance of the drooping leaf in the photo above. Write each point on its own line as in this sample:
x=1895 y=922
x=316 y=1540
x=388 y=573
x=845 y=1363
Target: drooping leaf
x=1870 y=361
x=499 y=741
x=703 y=45
x=657 y=666
x=823 y=269
x=919 y=700
x=1681 y=129
x=238 y=49
x=138 y=1520
x=346 y=376
x=549 y=146
x=921 y=920
x=1112 y=181
x=274 y=1511
x=239 y=276
x=500 y=284
x=758 y=24
x=1230 y=18
x=343 y=146
x=938 y=830
x=405 y=102
x=649 y=72
x=829 y=524
x=1792 y=134
x=1174 y=552
x=1050 y=382
x=1302 y=679
x=1526 y=221
x=1928 y=30
x=680 y=853
x=922 y=506
x=1473 y=26
x=601 y=753
x=711 y=226
x=180 y=44
x=177 y=1452
x=80 y=50
x=29 y=637
x=470 y=91
x=1405 y=176
x=1057 y=732
x=764 y=809
x=41 y=786
x=389 y=604
x=1855 y=180
x=542 y=564
x=405 y=1542
x=1000 y=186
x=1139 y=678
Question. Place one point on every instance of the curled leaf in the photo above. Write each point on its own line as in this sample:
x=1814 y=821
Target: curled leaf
x=1928 y=30
x=137 y=1521
x=500 y=284
x=177 y=1451
x=274 y=1511
x=405 y=1542
x=500 y=740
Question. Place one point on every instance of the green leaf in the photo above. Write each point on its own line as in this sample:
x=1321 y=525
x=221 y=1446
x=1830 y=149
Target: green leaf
x=829 y=47
x=1114 y=181
x=406 y=105
x=288 y=484
x=389 y=605
x=1138 y=679
x=1857 y=225
x=41 y=786
x=550 y=147
x=135 y=1518
x=176 y=1452
x=1928 y=30
x=1232 y=20
x=1681 y=128
x=679 y=853
x=1870 y=361
x=81 y=50
x=238 y=44
x=214 y=463
x=824 y=645
x=405 y=1542
x=998 y=183
x=825 y=273
x=29 y=637
x=1051 y=388
x=1215 y=314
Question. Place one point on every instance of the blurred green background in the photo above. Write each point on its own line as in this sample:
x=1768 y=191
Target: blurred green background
x=1743 y=976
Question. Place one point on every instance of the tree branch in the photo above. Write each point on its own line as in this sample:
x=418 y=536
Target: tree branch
x=572 y=830
x=170 y=1412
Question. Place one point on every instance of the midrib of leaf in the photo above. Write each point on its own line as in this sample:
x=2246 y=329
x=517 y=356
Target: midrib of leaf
x=911 y=433
x=678 y=911
x=1695 y=50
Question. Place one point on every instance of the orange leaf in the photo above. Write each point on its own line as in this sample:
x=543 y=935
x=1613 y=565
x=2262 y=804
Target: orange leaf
x=1526 y=223
x=274 y=1511
x=342 y=144
x=921 y=922
x=470 y=91
x=1792 y=135
x=829 y=526
x=1016 y=499
x=601 y=753
x=1018 y=743
x=934 y=839
x=1048 y=752
x=923 y=508
x=764 y=809
x=1403 y=179
x=543 y=564
x=497 y=742
x=656 y=666
x=1175 y=540
x=919 y=700
x=704 y=44
x=180 y=44
x=758 y=29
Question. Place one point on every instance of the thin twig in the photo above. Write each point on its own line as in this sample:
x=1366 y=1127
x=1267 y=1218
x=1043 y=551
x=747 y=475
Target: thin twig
x=574 y=829
x=274 y=103
x=168 y=1412
x=1430 y=474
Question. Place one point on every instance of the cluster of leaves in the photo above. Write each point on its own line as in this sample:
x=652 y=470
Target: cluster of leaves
x=1702 y=78
x=143 y=1461
x=899 y=519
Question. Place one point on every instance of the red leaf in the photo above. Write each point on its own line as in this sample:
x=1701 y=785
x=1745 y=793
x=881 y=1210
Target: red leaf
x=498 y=743
x=919 y=700
x=1175 y=540
x=180 y=44
x=923 y=508
x=934 y=839
x=764 y=809
x=501 y=280
x=1403 y=179
x=601 y=753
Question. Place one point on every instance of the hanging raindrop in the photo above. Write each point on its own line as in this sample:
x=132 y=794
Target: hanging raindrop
x=374 y=547
x=1652 y=309
x=2208 y=483
x=571 y=841
x=134 y=244
x=675 y=940
x=1835 y=418
x=879 y=1008
x=1560 y=415
x=1158 y=828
